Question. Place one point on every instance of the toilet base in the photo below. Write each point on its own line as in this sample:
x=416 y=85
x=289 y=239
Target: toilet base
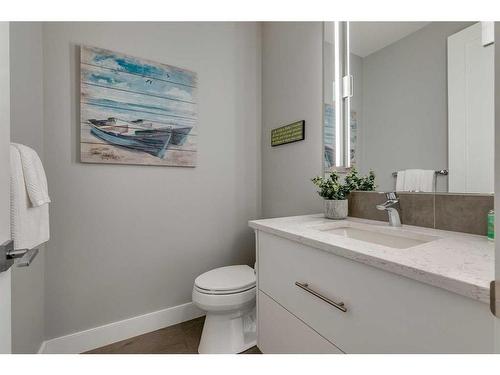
x=228 y=333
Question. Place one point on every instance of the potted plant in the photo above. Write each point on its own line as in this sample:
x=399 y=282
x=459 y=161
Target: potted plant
x=335 y=192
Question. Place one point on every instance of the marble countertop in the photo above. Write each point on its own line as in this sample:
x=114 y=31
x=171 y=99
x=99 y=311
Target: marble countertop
x=458 y=262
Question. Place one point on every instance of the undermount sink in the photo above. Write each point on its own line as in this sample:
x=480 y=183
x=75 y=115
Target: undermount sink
x=400 y=239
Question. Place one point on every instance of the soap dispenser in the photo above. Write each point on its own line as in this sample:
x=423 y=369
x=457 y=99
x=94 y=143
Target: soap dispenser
x=491 y=225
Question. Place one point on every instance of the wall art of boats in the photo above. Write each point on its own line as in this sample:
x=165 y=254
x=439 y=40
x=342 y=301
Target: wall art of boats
x=139 y=134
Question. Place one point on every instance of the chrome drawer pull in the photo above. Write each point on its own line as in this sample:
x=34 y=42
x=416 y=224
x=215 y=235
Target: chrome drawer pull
x=338 y=305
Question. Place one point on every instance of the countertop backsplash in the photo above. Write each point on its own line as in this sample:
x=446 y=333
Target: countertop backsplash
x=457 y=212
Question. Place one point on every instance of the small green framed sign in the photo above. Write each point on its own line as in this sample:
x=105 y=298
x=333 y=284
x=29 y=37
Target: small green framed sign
x=293 y=132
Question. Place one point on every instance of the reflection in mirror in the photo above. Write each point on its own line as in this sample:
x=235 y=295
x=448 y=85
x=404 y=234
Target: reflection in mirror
x=422 y=101
x=338 y=153
x=329 y=139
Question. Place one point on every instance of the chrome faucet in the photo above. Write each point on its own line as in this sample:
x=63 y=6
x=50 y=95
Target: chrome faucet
x=391 y=206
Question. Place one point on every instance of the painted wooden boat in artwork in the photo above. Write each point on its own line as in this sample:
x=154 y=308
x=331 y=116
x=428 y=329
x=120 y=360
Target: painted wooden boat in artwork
x=139 y=135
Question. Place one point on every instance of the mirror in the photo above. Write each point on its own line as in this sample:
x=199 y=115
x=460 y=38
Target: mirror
x=416 y=97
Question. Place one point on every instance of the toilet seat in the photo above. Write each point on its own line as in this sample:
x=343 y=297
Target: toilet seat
x=226 y=280
x=222 y=292
x=224 y=302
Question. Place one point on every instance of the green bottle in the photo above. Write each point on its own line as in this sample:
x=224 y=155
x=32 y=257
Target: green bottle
x=491 y=225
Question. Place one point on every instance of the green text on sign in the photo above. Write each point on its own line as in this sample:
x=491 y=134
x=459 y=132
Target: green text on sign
x=288 y=133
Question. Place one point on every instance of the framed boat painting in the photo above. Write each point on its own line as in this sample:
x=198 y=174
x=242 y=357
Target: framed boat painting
x=135 y=111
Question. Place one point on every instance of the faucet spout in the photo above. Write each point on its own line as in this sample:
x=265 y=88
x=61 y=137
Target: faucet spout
x=390 y=206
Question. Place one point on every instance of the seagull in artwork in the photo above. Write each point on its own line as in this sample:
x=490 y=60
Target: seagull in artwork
x=149 y=81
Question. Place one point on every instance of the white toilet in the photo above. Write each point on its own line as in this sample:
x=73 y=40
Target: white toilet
x=227 y=294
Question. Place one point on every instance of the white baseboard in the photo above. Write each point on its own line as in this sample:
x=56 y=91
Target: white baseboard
x=93 y=338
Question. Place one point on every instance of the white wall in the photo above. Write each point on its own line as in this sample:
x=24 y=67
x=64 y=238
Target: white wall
x=27 y=127
x=128 y=240
x=291 y=91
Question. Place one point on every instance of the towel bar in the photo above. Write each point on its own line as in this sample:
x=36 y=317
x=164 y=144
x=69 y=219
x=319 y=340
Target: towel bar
x=8 y=255
x=441 y=172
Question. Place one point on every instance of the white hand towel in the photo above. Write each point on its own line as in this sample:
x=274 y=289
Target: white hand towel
x=400 y=181
x=34 y=175
x=419 y=180
x=427 y=180
x=29 y=225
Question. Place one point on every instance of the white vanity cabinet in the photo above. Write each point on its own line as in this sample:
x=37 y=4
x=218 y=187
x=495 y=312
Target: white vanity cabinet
x=385 y=312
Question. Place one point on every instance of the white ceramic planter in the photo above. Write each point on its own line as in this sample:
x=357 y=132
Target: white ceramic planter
x=336 y=209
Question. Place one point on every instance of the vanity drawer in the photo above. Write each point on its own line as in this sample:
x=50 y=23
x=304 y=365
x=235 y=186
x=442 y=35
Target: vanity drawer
x=386 y=313
x=282 y=333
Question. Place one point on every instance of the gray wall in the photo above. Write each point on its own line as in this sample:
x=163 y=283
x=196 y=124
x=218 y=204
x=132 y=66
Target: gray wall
x=405 y=118
x=128 y=240
x=5 y=277
x=291 y=91
x=26 y=89
x=27 y=128
x=497 y=155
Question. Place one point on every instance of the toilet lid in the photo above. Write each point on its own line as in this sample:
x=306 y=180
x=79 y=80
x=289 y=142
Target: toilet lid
x=231 y=278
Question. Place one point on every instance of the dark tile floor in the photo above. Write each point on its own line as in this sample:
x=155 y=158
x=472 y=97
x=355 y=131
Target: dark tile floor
x=181 y=338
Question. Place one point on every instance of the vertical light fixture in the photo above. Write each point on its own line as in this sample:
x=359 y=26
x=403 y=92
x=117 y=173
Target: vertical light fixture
x=337 y=83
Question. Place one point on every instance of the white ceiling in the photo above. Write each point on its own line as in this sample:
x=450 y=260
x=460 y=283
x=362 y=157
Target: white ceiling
x=369 y=37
